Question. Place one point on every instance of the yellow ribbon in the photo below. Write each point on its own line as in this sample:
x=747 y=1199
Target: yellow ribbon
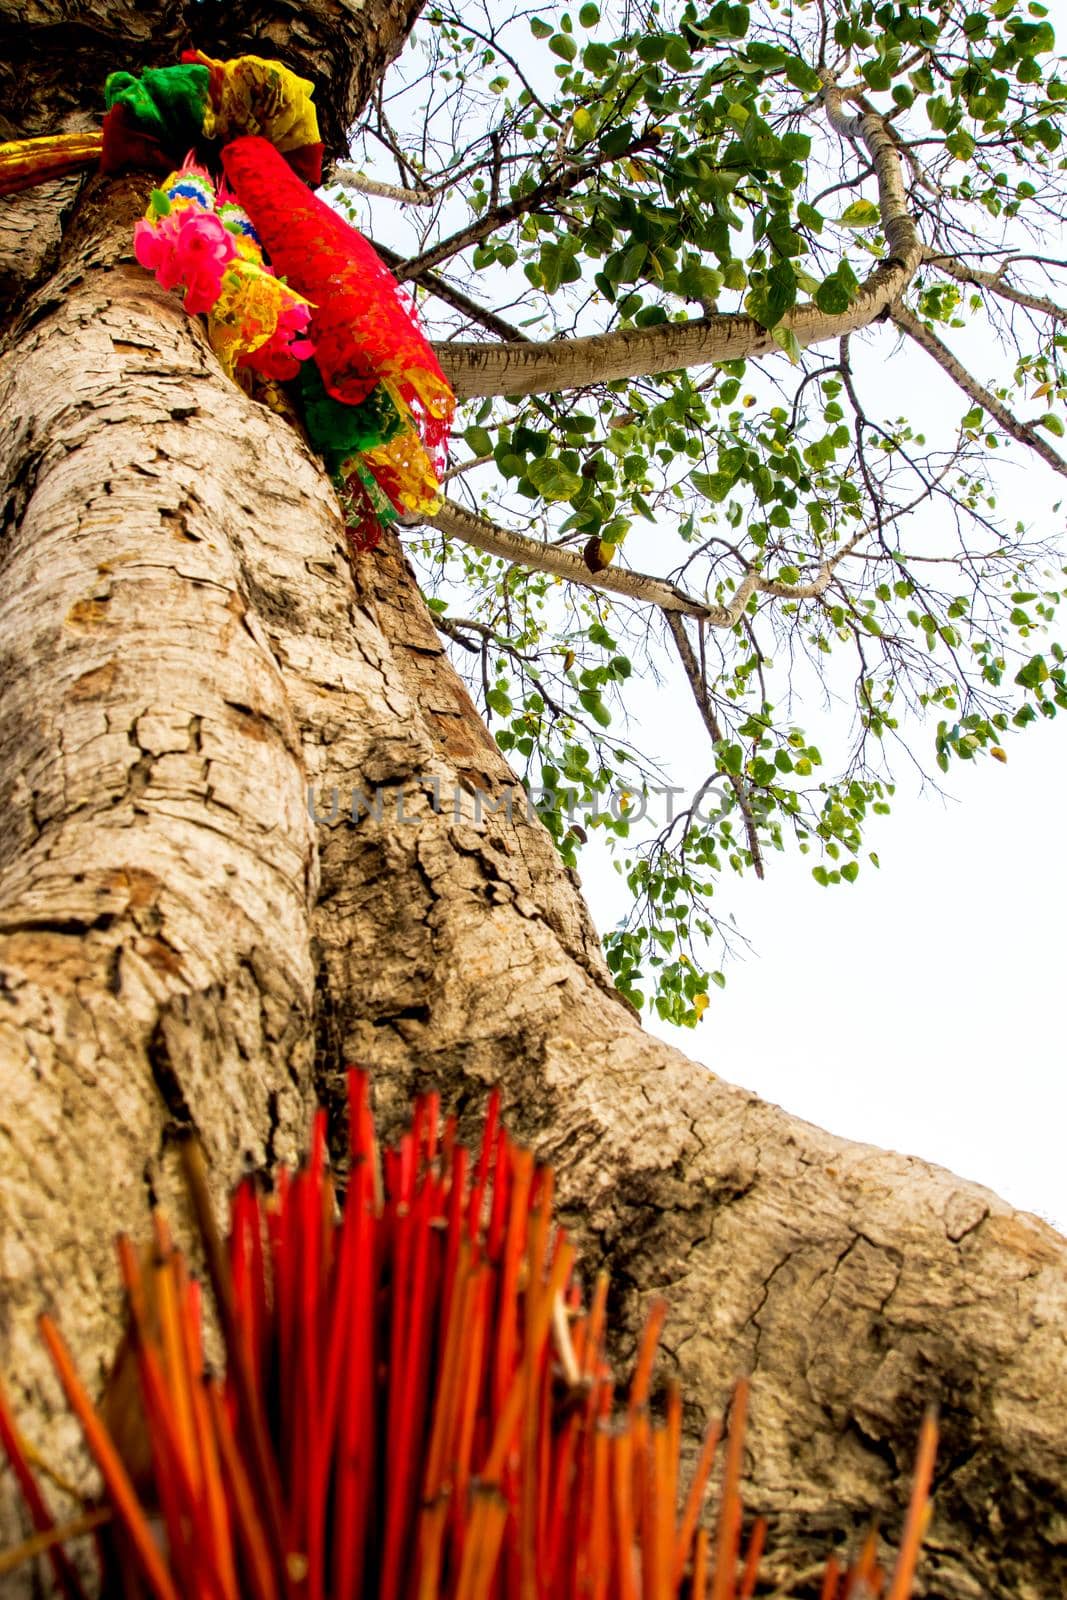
x=251 y=95
x=25 y=162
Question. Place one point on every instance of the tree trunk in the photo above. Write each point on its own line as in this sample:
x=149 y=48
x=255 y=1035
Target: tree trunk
x=187 y=651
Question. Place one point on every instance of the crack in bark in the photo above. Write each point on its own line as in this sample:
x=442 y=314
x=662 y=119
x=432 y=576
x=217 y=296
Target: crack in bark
x=168 y=1082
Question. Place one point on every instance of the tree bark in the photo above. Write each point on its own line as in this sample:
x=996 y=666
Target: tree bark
x=526 y=367
x=186 y=652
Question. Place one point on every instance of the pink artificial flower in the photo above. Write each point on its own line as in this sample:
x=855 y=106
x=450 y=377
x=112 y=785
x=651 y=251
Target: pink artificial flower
x=292 y=327
x=204 y=250
x=286 y=348
x=189 y=247
x=154 y=249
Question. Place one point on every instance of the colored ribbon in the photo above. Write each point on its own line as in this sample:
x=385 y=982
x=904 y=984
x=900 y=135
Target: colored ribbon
x=153 y=119
x=26 y=162
x=364 y=327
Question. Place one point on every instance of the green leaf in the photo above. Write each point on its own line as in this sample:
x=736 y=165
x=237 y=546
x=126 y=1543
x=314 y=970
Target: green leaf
x=632 y=262
x=552 y=480
x=698 y=282
x=617 y=139
x=860 y=214
x=594 y=704
x=479 y=441
x=796 y=146
x=714 y=486
x=1033 y=674
x=562 y=45
x=677 y=55
x=802 y=75
x=584 y=123
x=877 y=75
x=832 y=297
x=787 y=340
x=598 y=58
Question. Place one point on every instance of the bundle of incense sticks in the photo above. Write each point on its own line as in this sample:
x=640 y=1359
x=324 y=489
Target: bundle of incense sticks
x=416 y=1405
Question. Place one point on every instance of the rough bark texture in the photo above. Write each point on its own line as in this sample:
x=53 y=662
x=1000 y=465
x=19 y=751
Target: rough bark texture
x=184 y=650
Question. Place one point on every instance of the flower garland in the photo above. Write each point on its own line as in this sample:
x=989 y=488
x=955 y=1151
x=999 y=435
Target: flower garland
x=195 y=238
x=291 y=290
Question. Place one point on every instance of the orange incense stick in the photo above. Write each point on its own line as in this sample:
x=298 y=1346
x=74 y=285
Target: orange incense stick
x=112 y=1470
x=695 y=1500
x=62 y=1566
x=413 y=1380
x=700 y=1566
x=752 y=1560
x=915 y=1522
x=729 y=1530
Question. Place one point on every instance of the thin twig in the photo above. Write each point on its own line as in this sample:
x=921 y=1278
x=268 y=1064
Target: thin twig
x=1023 y=432
x=360 y=183
x=994 y=282
x=699 y=686
x=447 y=292
x=547 y=192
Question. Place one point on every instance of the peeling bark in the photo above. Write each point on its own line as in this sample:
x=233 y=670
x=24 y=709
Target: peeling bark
x=31 y=231
x=186 y=650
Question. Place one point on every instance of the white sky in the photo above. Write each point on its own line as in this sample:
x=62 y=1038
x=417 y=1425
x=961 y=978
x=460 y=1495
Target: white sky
x=921 y=1008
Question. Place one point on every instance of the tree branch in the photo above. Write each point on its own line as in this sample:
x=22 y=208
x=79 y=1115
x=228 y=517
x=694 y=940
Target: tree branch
x=994 y=282
x=546 y=368
x=468 y=527
x=1024 y=432
x=547 y=191
x=451 y=630
x=459 y=523
x=869 y=129
x=699 y=686
x=534 y=367
x=359 y=183
x=465 y=466
x=455 y=298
